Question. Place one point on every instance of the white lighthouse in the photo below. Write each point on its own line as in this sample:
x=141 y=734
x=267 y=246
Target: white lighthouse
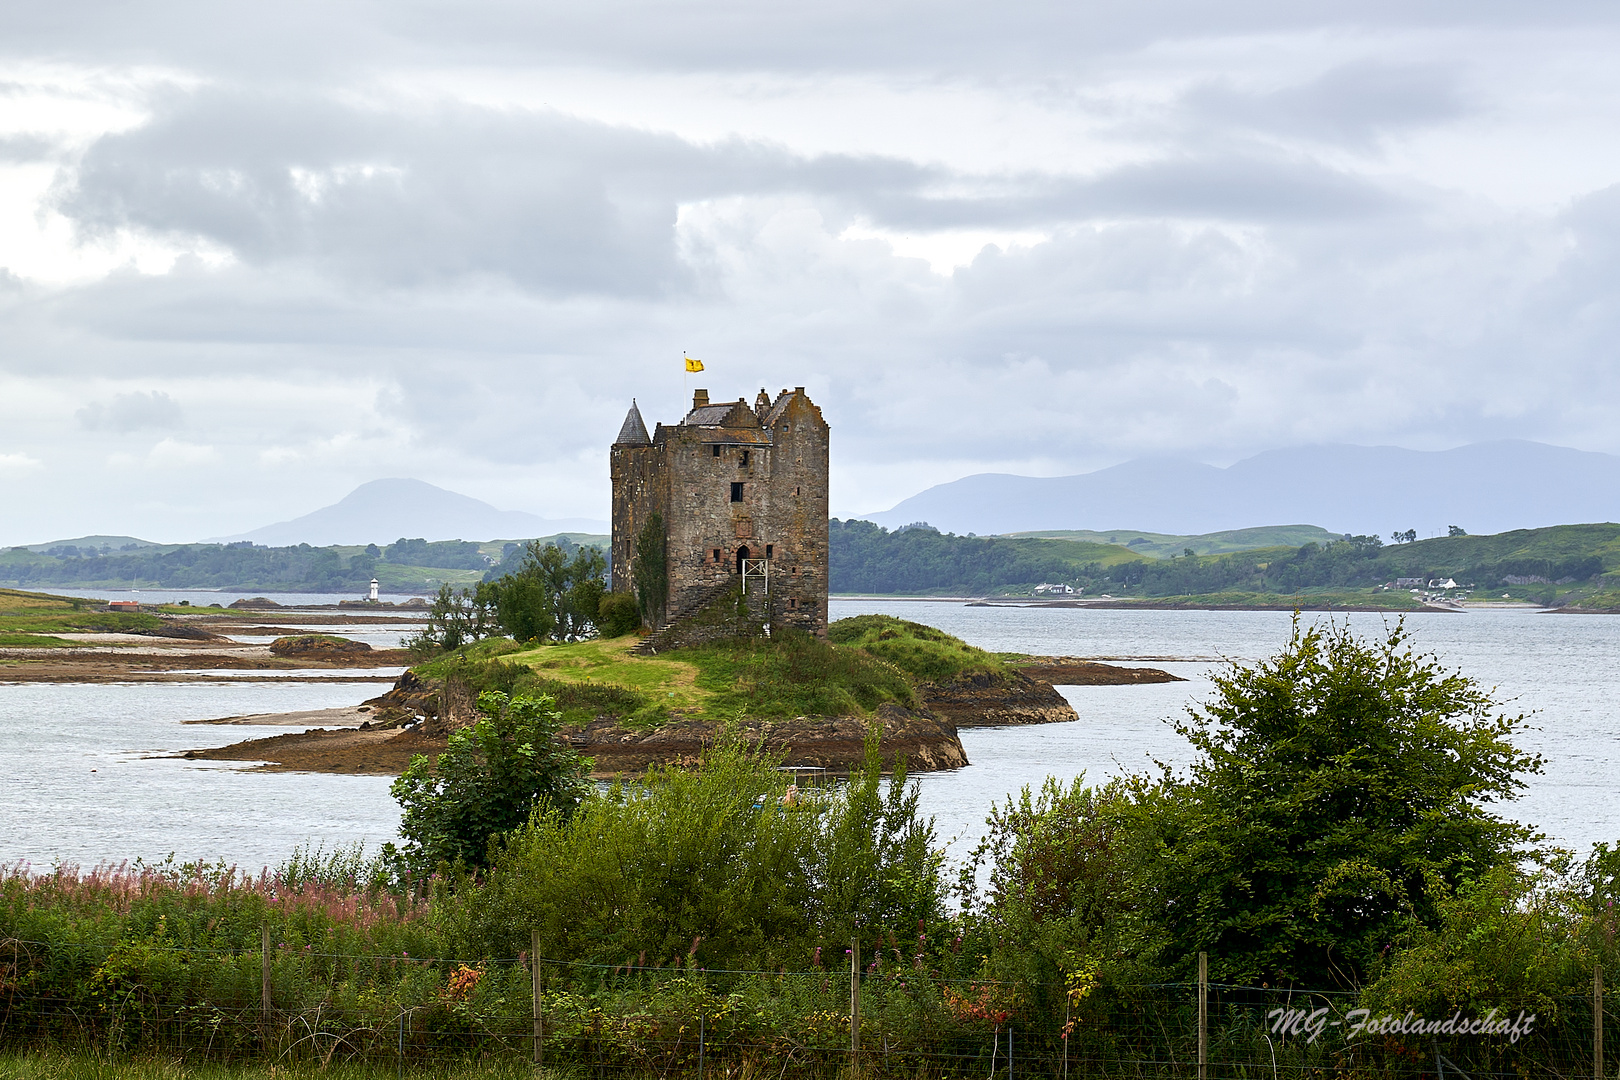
x=373 y=596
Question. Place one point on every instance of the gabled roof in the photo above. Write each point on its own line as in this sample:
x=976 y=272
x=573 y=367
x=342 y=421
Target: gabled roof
x=732 y=414
x=708 y=415
x=634 y=431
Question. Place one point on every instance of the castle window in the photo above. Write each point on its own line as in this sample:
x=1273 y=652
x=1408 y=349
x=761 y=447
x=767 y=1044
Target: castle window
x=795 y=490
x=742 y=462
x=736 y=492
x=716 y=449
x=793 y=603
x=716 y=554
x=768 y=550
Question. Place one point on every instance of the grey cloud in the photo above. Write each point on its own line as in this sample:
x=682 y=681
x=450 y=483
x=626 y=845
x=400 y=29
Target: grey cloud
x=1353 y=103
x=131 y=412
x=301 y=37
x=566 y=206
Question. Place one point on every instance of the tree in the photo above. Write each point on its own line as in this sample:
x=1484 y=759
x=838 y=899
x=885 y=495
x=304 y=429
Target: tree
x=1456 y=530
x=489 y=779
x=1407 y=537
x=650 y=570
x=551 y=597
x=457 y=617
x=1342 y=791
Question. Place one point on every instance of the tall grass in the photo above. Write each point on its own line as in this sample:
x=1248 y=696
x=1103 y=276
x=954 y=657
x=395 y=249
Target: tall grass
x=796 y=674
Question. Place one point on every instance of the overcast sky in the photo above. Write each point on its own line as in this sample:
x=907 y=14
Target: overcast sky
x=254 y=255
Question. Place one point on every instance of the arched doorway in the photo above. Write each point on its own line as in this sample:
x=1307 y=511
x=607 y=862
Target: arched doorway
x=742 y=553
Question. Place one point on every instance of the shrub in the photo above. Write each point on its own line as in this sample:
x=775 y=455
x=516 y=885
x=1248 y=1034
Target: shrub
x=488 y=779
x=617 y=615
x=717 y=863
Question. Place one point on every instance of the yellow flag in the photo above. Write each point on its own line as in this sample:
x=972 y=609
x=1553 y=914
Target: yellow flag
x=693 y=365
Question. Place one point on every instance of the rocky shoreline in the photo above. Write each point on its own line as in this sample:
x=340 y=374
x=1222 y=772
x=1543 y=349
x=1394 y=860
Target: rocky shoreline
x=416 y=717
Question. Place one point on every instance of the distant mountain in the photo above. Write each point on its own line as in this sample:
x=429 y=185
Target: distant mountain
x=1483 y=488
x=382 y=511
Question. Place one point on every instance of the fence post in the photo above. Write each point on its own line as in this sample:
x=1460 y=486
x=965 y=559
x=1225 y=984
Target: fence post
x=701 y=1047
x=1597 y=1022
x=1065 y=1033
x=1203 y=1013
x=264 y=974
x=854 y=1004
x=536 y=989
x=1009 y=1050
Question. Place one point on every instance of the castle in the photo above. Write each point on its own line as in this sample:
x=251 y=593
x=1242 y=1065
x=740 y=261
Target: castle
x=741 y=495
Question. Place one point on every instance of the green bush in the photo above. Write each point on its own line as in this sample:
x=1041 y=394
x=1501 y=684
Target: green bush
x=617 y=615
x=487 y=781
x=715 y=863
x=921 y=651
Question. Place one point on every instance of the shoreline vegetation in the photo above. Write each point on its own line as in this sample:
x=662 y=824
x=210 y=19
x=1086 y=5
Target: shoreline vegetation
x=1566 y=567
x=731 y=918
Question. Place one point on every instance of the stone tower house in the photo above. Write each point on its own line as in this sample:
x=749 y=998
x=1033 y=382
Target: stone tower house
x=743 y=495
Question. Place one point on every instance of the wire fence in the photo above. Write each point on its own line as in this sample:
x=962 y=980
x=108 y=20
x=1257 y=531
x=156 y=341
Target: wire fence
x=887 y=1017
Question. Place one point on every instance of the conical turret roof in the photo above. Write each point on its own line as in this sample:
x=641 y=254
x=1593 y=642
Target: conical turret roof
x=634 y=431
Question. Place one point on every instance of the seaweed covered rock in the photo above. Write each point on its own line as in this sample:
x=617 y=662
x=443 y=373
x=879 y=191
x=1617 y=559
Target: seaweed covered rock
x=317 y=647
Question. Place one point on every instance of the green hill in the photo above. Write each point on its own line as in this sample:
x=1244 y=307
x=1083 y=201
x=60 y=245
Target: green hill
x=868 y=558
x=404 y=566
x=1162 y=545
x=1564 y=563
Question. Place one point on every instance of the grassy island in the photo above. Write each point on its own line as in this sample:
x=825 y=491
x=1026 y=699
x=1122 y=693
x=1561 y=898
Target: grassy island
x=866 y=662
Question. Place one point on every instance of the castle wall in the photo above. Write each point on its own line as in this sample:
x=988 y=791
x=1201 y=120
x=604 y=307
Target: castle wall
x=640 y=489
x=779 y=513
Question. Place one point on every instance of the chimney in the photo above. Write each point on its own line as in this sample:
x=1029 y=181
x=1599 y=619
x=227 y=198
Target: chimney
x=700 y=398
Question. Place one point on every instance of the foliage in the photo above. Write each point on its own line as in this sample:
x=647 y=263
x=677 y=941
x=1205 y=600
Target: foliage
x=301 y=568
x=457 y=617
x=1342 y=790
x=487 y=781
x=1159 y=545
x=921 y=651
x=866 y=558
x=441 y=554
x=723 y=865
x=618 y=614
x=550 y=596
x=1062 y=870
x=794 y=673
x=650 y=570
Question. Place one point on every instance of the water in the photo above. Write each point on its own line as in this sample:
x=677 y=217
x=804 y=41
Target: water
x=79 y=781
x=377 y=636
x=223 y=597
x=52 y=807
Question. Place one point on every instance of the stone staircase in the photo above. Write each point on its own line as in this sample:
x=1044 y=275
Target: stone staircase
x=667 y=634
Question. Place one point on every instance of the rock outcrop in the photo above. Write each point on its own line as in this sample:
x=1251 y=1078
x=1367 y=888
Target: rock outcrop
x=985 y=701
x=834 y=743
x=317 y=647
x=410 y=699
x=1072 y=671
